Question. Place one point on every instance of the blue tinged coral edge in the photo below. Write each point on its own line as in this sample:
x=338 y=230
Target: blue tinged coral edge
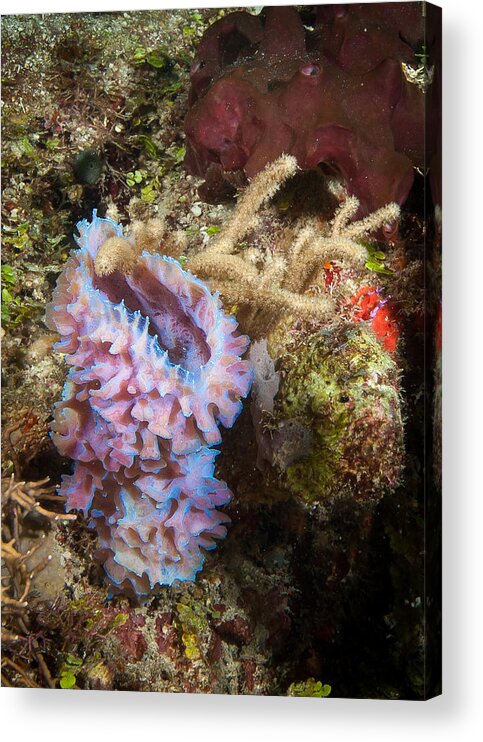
x=195 y=489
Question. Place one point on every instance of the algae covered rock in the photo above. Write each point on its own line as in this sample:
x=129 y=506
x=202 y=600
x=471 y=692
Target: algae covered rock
x=336 y=429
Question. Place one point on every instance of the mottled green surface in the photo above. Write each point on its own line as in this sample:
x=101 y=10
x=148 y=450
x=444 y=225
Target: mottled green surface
x=342 y=386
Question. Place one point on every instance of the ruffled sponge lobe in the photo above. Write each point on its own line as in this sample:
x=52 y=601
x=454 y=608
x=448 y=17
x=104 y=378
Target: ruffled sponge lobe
x=155 y=368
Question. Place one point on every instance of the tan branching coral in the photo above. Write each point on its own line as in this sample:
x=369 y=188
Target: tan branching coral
x=262 y=188
x=121 y=253
x=116 y=254
x=258 y=279
x=277 y=282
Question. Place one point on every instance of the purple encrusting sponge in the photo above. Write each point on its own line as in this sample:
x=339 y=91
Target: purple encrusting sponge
x=155 y=368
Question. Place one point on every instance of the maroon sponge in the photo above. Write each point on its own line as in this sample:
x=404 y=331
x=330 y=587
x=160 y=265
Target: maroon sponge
x=327 y=87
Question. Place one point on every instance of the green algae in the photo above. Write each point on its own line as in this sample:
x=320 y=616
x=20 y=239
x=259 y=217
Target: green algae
x=68 y=672
x=309 y=688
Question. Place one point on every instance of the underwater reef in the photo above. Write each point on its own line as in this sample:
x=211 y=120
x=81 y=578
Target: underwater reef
x=339 y=85
x=319 y=581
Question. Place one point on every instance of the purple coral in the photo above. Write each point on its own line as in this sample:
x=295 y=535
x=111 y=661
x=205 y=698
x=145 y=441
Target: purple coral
x=155 y=368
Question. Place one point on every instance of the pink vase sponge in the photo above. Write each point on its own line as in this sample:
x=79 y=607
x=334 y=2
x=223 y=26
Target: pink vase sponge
x=155 y=368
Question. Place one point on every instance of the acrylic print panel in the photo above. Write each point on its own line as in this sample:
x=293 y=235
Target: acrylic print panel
x=221 y=350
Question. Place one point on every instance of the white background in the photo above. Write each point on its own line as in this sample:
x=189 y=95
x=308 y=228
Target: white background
x=60 y=715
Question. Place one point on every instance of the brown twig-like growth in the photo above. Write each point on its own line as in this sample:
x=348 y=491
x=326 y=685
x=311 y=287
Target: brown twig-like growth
x=278 y=286
x=18 y=573
x=28 y=495
x=23 y=438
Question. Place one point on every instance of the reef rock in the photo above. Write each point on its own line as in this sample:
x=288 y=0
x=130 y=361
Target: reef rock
x=338 y=415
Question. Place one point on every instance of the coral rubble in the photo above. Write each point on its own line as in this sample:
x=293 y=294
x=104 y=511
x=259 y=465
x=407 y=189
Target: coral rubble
x=155 y=368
